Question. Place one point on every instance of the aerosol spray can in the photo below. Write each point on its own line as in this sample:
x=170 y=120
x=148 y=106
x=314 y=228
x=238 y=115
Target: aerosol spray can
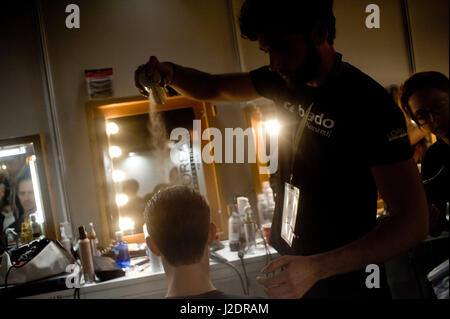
x=150 y=83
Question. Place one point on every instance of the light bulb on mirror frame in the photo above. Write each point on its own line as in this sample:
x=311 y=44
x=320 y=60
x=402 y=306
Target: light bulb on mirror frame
x=121 y=199
x=115 y=151
x=118 y=175
x=112 y=128
x=272 y=126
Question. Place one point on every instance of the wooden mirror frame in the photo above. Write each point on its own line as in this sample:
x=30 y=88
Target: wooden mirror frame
x=48 y=204
x=99 y=111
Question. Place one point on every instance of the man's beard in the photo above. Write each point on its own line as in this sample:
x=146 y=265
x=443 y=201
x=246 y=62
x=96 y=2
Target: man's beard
x=308 y=71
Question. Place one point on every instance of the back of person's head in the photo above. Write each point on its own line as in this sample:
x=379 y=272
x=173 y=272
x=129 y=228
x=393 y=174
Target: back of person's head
x=177 y=220
x=130 y=186
x=418 y=82
x=300 y=16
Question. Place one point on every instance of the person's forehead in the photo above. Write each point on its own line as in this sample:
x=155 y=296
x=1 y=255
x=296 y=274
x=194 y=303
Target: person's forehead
x=25 y=185
x=426 y=96
x=268 y=39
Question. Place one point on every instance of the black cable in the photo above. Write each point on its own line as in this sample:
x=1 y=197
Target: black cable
x=268 y=254
x=241 y=257
x=239 y=274
x=222 y=260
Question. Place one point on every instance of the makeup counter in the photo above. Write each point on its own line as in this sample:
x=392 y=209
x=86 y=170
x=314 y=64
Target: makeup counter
x=144 y=282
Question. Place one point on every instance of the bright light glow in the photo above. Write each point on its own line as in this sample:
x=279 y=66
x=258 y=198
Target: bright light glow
x=37 y=192
x=4 y=166
x=112 y=128
x=126 y=223
x=121 y=199
x=118 y=175
x=131 y=154
x=273 y=126
x=12 y=151
x=115 y=151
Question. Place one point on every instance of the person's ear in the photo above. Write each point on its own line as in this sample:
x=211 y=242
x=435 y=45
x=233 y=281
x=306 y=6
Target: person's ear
x=211 y=233
x=152 y=246
x=319 y=34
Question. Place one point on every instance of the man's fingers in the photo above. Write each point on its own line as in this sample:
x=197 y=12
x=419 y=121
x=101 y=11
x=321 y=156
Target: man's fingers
x=275 y=264
x=138 y=83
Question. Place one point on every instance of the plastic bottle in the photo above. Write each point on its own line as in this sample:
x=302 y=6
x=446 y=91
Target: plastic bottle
x=268 y=192
x=262 y=209
x=234 y=231
x=26 y=235
x=121 y=251
x=84 y=251
x=93 y=240
x=241 y=203
x=65 y=242
x=249 y=228
x=35 y=227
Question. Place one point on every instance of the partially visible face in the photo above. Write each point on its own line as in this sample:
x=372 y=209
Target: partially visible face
x=430 y=109
x=26 y=195
x=292 y=56
x=2 y=192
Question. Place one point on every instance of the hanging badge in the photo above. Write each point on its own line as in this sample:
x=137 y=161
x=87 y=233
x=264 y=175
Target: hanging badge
x=290 y=205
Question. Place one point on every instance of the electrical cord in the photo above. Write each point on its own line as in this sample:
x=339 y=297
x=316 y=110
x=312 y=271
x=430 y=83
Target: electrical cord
x=268 y=254
x=11 y=267
x=241 y=257
x=222 y=260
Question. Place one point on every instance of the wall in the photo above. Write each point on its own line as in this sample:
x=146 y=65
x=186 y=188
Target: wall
x=24 y=108
x=429 y=32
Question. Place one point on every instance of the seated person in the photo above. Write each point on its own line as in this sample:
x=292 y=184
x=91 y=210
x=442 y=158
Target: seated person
x=180 y=231
x=25 y=194
x=425 y=99
x=135 y=206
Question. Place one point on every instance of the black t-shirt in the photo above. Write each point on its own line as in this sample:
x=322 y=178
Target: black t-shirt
x=215 y=294
x=435 y=173
x=353 y=125
x=435 y=166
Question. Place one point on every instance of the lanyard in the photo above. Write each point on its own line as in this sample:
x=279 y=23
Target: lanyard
x=297 y=139
x=298 y=136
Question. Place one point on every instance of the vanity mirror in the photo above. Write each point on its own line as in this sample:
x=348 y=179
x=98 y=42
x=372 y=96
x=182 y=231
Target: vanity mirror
x=24 y=193
x=134 y=157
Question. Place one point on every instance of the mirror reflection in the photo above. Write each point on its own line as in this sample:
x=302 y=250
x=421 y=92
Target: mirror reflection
x=140 y=150
x=21 y=210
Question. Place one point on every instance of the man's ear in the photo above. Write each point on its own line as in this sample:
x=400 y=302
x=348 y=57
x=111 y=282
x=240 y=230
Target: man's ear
x=211 y=233
x=319 y=33
x=151 y=244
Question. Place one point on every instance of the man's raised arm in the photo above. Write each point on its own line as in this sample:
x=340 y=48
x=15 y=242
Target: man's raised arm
x=200 y=85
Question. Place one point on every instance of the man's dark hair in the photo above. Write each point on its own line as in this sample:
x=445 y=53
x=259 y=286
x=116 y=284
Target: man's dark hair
x=420 y=81
x=260 y=16
x=177 y=219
